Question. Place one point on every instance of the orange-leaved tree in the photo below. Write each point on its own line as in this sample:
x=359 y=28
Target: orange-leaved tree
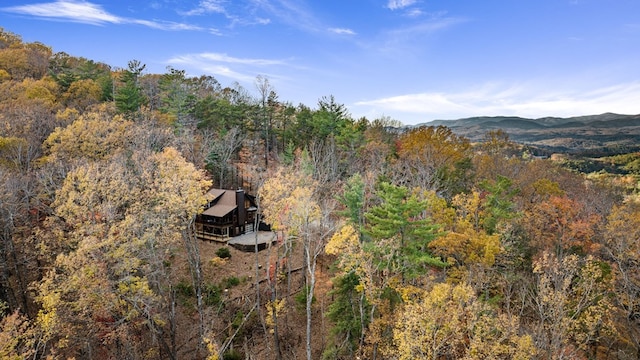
x=432 y=158
x=622 y=248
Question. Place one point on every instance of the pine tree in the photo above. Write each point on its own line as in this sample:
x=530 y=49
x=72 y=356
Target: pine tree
x=129 y=97
x=401 y=218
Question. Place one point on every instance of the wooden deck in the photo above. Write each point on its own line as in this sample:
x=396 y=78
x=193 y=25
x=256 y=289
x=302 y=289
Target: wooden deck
x=209 y=237
x=247 y=242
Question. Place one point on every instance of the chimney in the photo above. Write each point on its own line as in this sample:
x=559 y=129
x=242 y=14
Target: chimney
x=242 y=210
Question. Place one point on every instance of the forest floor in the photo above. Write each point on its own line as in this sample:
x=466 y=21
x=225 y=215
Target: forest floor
x=236 y=276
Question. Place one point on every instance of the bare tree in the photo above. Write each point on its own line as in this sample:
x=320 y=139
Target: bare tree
x=315 y=237
x=267 y=95
x=223 y=150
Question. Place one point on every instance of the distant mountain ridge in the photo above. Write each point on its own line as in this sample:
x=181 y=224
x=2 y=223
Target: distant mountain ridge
x=606 y=133
x=602 y=120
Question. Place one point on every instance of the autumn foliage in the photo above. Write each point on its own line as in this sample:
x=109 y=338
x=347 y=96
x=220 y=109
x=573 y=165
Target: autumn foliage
x=392 y=242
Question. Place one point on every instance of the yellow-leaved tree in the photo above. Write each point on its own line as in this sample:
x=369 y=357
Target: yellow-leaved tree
x=432 y=158
x=622 y=245
x=573 y=306
x=17 y=335
x=122 y=221
x=448 y=321
x=466 y=242
x=94 y=136
x=291 y=207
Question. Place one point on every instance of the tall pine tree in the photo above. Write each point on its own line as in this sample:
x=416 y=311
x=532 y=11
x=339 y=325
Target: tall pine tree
x=399 y=228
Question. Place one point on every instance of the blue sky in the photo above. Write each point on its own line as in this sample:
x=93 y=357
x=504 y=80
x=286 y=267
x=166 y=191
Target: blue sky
x=410 y=60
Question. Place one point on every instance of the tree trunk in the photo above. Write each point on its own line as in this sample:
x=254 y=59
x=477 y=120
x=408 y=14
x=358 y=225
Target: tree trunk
x=274 y=314
x=310 y=288
x=310 y=262
x=193 y=254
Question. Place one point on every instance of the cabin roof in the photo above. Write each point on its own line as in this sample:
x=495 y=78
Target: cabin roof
x=219 y=210
x=213 y=194
x=221 y=202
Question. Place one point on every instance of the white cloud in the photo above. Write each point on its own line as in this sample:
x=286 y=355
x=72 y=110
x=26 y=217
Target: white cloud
x=89 y=13
x=291 y=12
x=427 y=27
x=492 y=100
x=79 y=11
x=234 y=60
x=342 y=31
x=236 y=12
x=166 y=25
x=409 y=39
x=207 y=7
x=400 y=4
x=414 y=13
x=219 y=64
x=214 y=31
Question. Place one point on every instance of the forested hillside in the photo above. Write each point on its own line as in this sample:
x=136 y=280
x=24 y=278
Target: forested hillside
x=393 y=243
x=595 y=135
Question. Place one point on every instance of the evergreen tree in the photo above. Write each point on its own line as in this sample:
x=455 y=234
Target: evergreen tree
x=353 y=200
x=400 y=229
x=349 y=314
x=129 y=98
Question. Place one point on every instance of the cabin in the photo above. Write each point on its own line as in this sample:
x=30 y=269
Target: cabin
x=228 y=213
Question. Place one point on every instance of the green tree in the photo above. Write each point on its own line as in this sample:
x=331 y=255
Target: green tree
x=129 y=97
x=66 y=70
x=179 y=95
x=399 y=229
x=349 y=314
x=353 y=200
x=498 y=202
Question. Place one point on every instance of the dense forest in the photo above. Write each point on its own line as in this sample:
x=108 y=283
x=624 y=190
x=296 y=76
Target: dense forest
x=393 y=242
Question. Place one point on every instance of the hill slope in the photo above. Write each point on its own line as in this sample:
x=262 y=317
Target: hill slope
x=594 y=134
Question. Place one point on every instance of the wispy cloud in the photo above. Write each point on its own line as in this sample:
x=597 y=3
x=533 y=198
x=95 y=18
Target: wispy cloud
x=168 y=25
x=342 y=31
x=292 y=13
x=78 y=11
x=207 y=7
x=234 y=60
x=219 y=64
x=427 y=27
x=296 y=14
x=400 y=4
x=414 y=13
x=408 y=39
x=493 y=99
x=225 y=8
x=89 y=13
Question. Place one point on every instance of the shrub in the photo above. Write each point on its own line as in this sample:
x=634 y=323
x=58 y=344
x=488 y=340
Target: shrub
x=230 y=282
x=223 y=253
x=212 y=295
x=185 y=289
x=301 y=298
x=232 y=355
x=217 y=261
